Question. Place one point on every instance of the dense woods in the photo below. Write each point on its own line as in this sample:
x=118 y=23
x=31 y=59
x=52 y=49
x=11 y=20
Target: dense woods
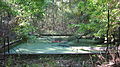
x=48 y=16
x=92 y=19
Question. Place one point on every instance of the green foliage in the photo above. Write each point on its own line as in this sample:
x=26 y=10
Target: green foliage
x=94 y=16
x=84 y=16
x=26 y=11
x=24 y=29
x=9 y=62
x=28 y=8
x=4 y=7
x=96 y=21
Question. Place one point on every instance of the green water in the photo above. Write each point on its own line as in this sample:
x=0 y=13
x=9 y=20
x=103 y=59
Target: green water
x=45 y=46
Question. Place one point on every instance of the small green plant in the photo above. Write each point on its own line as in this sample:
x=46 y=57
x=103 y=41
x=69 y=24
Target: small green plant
x=9 y=62
x=32 y=39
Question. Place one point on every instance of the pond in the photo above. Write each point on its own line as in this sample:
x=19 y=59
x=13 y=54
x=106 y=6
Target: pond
x=47 y=45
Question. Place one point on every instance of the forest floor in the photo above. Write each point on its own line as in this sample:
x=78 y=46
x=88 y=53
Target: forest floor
x=50 y=61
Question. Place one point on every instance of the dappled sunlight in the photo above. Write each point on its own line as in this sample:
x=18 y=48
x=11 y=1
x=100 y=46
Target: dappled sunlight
x=67 y=27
